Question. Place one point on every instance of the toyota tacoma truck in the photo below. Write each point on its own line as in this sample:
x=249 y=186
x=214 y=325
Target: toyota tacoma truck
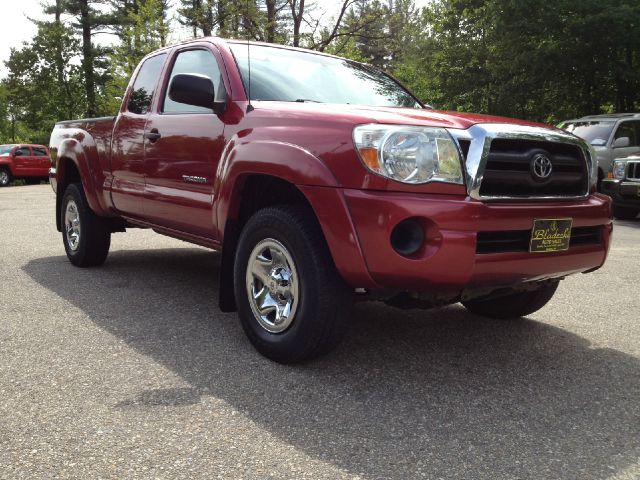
x=323 y=181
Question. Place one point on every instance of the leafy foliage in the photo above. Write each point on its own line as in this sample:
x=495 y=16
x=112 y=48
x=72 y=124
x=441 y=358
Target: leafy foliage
x=532 y=59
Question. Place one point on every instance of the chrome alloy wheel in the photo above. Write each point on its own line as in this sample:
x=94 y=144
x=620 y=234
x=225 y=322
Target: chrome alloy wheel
x=272 y=285
x=4 y=178
x=72 y=225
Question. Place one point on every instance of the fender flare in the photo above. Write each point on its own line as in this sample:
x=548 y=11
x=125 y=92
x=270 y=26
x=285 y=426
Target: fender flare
x=312 y=178
x=70 y=149
x=9 y=164
x=286 y=161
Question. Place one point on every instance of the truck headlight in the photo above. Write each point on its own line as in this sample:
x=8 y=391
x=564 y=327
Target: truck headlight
x=619 y=168
x=409 y=154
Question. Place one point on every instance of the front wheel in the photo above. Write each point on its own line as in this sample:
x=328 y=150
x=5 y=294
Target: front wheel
x=513 y=305
x=5 y=177
x=292 y=303
x=85 y=235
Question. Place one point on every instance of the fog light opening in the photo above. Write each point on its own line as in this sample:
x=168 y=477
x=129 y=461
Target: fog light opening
x=407 y=237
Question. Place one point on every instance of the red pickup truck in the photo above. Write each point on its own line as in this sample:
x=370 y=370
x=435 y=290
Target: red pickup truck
x=322 y=180
x=26 y=162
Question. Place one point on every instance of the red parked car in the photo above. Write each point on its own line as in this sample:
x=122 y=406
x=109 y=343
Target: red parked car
x=27 y=162
x=322 y=180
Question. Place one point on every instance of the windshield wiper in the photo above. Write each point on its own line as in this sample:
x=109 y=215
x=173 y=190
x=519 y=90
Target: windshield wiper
x=305 y=100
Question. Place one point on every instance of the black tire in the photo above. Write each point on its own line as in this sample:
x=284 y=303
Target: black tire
x=513 y=305
x=625 y=213
x=5 y=177
x=94 y=237
x=599 y=182
x=324 y=300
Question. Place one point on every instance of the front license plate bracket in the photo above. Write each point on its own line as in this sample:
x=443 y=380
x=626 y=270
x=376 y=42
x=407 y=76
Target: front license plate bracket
x=550 y=235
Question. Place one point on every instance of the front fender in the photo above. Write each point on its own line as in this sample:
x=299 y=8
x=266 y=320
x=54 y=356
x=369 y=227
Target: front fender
x=276 y=159
x=315 y=181
x=6 y=162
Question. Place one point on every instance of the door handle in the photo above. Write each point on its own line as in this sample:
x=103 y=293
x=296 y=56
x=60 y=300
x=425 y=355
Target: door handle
x=153 y=135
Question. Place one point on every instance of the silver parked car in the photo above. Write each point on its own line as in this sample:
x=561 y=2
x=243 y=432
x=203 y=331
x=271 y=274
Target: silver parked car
x=612 y=136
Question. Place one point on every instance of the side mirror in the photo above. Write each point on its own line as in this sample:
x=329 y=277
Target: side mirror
x=196 y=90
x=621 y=142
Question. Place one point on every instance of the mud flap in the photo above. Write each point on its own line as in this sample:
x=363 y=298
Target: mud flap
x=226 y=296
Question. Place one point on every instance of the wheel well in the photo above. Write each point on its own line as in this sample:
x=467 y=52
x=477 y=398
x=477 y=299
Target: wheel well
x=70 y=171
x=70 y=174
x=261 y=191
x=255 y=193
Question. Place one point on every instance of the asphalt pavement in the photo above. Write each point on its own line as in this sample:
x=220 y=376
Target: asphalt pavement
x=130 y=370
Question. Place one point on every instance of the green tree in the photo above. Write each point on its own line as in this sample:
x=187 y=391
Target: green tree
x=142 y=27
x=45 y=82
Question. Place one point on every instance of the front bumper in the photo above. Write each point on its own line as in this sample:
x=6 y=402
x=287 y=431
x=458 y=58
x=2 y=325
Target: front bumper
x=449 y=261
x=623 y=193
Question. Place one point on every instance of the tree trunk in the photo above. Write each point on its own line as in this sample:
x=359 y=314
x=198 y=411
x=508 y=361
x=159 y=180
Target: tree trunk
x=207 y=18
x=271 y=21
x=297 y=11
x=13 y=129
x=222 y=18
x=87 y=60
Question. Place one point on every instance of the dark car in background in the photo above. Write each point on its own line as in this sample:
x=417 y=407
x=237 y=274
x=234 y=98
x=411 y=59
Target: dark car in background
x=23 y=161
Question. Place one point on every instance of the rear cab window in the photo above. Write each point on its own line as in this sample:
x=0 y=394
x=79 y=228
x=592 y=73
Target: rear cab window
x=145 y=85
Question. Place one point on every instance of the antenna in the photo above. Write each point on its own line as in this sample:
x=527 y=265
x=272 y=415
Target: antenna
x=246 y=26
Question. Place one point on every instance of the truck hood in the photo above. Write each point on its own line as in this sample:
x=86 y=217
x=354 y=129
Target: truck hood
x=443 y=118
x=357 y=114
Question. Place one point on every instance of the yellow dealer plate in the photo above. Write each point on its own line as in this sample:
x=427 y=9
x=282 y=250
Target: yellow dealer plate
x=550 y=235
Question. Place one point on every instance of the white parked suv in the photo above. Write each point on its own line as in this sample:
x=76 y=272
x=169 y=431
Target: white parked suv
x=612 y=136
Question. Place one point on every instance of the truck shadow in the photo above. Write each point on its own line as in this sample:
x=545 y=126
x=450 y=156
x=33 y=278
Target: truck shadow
x=441 y=392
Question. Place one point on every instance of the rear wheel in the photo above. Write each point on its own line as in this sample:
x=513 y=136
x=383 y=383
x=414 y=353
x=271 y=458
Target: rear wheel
x=292 y=302
x=625 y=213
x=5 y=177
x=513 y=305
x=85 y=235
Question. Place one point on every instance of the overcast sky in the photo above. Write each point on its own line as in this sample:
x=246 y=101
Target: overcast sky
x=17 y=28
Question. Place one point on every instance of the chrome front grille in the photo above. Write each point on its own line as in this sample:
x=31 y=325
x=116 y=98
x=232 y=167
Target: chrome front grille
x=510 y=169
x=514 y=162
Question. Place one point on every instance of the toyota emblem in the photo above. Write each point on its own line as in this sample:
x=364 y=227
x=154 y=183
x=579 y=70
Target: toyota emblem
x=541 y=166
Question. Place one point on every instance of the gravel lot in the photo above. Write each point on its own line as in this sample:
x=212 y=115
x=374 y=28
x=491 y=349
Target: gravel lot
x=130 y=370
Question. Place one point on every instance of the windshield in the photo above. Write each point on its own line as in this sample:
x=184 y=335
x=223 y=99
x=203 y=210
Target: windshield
x=593 y=131
x=5 y=150
x=292 y=76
